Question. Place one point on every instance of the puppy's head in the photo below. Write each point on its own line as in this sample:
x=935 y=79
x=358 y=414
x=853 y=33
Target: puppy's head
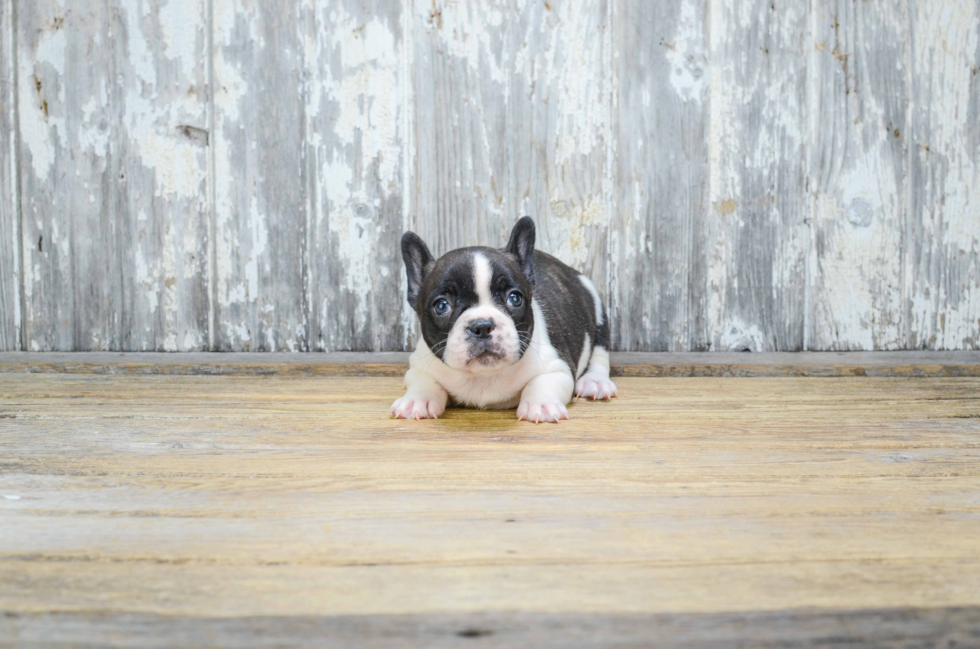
x=474 y=304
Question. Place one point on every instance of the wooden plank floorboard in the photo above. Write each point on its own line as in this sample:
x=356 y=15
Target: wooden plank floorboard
x=807 y=628
x=285 y=505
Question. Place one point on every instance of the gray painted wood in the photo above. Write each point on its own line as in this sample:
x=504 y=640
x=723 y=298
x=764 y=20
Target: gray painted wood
x=260 y=178
x=943 y=231
x=559 y=129
x=658 y=234
x=113 y=175
x=357 y=103
x=65 y=86
x=733 y=174
x=757 y=233
x=884 y=628
x=915 y=364
x=463 y=62
x=158 y=175
x=10 y=314
x=858 y=174
x=512 y=117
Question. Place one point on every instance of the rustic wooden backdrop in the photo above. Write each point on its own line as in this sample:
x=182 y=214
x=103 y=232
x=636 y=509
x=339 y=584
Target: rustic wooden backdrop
x=734 y=174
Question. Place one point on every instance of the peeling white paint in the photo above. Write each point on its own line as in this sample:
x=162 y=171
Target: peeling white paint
x=259 y=237
x=93 y=133
x=179 y=34
x=548 y=76
x=571 y=244
x=574 y=61
x=685 y=55
x=945 y=311
x=42 y=134
x=471 y=31
x=366 y=95
x=737 y=336
x=146 y=280
x=753 y=174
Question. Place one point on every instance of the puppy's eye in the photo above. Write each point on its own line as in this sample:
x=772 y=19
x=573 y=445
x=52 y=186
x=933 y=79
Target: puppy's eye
x=515 y=299
x=441 y=307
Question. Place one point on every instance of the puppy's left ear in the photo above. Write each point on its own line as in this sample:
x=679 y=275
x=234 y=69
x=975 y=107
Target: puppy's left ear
x=521 y=245
x=417 y=261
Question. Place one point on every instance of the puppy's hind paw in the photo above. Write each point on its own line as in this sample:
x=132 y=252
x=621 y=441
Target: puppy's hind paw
x=418 y=407
x=596 y=387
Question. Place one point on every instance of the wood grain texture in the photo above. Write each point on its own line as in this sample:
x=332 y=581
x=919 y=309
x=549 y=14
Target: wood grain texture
x=65 y=88
x=560 y=129
x=181 y=175
x=113 y=168
x=357 y=150
x=512 y=118
x=158 y=175
x=260 y=174
x=943 y=231
x=10 y=306
x=896 y=628
x=463 y=65
x=658 y=232
x=757 y=235
x=236 y=497
x=858 y=173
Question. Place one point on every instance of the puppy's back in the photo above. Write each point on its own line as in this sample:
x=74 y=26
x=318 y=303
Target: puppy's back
x=572 y=310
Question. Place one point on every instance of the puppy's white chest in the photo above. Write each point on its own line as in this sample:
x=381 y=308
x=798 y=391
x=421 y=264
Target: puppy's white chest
x=488 y=392
x=500 y=389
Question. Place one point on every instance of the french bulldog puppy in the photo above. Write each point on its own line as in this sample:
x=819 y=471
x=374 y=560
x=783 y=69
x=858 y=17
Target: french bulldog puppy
x=503 y=328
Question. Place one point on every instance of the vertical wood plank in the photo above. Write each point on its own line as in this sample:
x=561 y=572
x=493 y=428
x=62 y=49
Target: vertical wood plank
x=465 y=194
x=558 y=129
x=260 y=181
x=65 y=77
x=513 y=117
x=757 y=219
x=943 y=233
x=658 y=289
x=356 y=109
x=159 y=145
x=10 y=315
x=858 y=173
x=111 y=113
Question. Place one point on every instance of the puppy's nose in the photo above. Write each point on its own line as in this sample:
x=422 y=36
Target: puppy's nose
x=481 y=328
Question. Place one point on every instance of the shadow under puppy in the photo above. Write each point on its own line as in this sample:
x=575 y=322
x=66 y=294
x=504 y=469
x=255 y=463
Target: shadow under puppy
x=503 y=328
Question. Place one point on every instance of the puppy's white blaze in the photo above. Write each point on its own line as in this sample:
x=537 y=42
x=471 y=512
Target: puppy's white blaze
x=482 y=275
x=587 y=283
x=504 y=333
x=583 y=360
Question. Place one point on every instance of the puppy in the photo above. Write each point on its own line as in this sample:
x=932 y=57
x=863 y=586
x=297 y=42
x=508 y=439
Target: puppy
x=503 y=328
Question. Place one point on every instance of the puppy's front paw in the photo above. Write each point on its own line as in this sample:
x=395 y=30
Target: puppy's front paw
x=418 y=407
x=542 y=412
x=595 y=386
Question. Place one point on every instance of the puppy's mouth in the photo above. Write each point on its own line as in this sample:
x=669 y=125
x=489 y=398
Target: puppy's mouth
x=486 y=355
x=487 y=358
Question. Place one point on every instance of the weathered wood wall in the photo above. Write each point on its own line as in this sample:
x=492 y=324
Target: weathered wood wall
x=733 y=174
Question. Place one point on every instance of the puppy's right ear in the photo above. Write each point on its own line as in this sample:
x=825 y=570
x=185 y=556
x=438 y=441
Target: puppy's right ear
x=521 y=245
x=417 y=261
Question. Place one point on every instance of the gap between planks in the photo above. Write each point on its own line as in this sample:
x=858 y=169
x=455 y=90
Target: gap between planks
x=636 y=364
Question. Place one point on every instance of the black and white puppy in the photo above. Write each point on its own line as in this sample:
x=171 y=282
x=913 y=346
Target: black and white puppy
x=503 y=328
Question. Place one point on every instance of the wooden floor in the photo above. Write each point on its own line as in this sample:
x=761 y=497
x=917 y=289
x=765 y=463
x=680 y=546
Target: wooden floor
x=162 y=510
